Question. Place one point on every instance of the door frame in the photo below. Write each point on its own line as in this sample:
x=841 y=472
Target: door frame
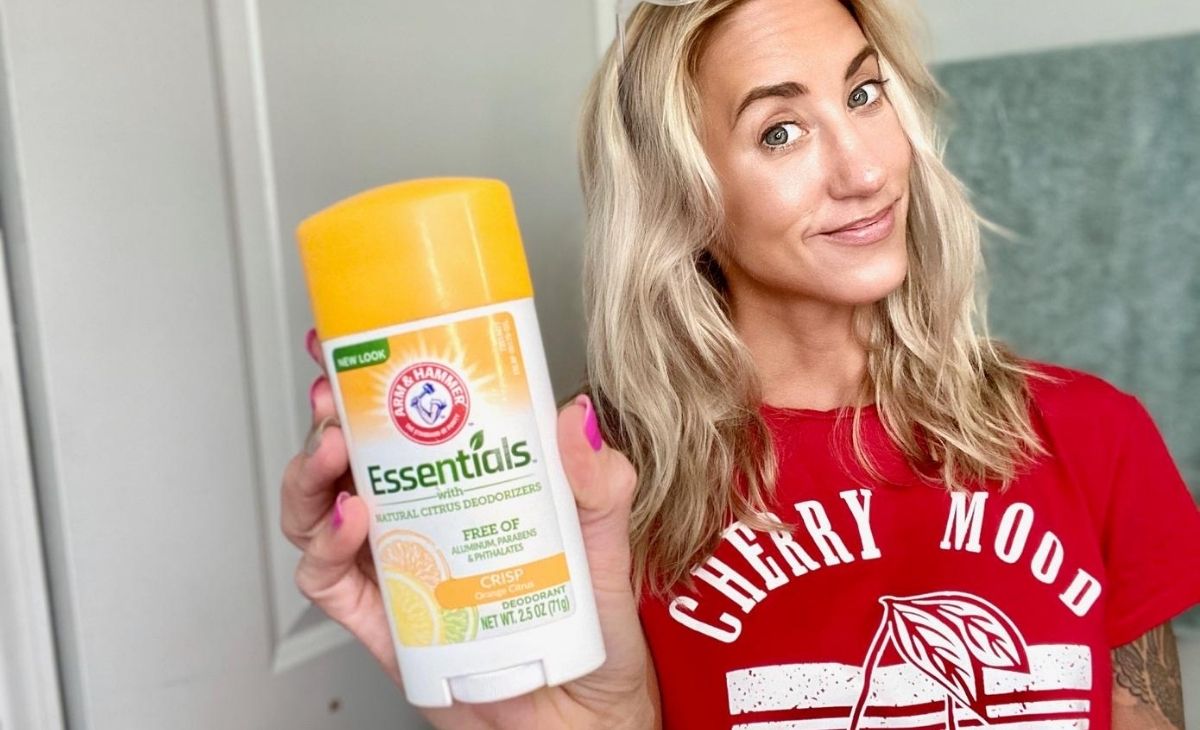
x=29 y=688
x=30 y=691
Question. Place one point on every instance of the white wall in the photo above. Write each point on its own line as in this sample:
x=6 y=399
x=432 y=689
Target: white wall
x=364 y=93
x=965 y=29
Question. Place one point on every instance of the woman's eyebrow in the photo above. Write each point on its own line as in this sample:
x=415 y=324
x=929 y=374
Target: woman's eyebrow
x=789 y=89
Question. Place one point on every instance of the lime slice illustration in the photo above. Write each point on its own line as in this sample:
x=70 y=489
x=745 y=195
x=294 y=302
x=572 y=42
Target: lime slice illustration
x=459 y=625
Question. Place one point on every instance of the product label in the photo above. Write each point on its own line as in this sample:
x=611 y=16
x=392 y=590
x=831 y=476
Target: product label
x=445 y=448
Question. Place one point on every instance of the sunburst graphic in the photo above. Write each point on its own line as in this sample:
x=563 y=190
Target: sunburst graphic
x=482 y=352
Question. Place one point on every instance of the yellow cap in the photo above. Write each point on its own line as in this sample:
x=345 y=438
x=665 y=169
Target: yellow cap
x=411 y=250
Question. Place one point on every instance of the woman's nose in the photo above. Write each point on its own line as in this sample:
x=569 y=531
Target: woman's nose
x=856 y=169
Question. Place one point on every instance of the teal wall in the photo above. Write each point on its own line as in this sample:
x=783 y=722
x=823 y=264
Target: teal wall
x=1092 y=156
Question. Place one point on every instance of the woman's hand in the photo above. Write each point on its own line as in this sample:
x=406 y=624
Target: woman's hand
x=323 y=518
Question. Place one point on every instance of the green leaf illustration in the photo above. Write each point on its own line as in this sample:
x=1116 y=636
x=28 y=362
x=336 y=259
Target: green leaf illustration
x=477 y=440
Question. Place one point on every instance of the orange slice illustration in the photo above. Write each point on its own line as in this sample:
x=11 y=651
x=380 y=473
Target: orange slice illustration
x=411 y=553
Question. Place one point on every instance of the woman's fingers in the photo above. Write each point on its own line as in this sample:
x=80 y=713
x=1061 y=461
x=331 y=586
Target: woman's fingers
x=332 y=531
x=601 y=477
x=313 y=346
x=314 y=475
x=321 y=393
x=331 y=557
x=602 y=480
x=320 y=398
x=310 y=480
x=329 y=574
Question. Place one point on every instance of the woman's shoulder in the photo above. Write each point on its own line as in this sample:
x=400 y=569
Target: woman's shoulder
x=1084 y=415
x=1072 y=395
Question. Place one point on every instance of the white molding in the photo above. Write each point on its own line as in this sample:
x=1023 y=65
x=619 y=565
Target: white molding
x=30 y=696
x=258 y=250
x=308 y=643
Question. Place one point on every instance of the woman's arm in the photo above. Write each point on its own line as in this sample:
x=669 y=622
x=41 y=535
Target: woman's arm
x=1147 y=690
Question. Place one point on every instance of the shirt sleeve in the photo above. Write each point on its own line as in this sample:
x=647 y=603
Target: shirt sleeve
x=1151 y=533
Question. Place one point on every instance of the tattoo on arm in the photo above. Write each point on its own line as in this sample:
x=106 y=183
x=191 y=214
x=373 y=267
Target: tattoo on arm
x=1146 y=681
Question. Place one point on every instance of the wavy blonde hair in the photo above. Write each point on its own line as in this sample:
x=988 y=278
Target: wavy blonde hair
x=674 y=386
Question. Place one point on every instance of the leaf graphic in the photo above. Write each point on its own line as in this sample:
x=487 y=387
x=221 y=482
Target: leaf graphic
x=932 y=645
x=991 y=637
x=477 y=441
x=951 y=637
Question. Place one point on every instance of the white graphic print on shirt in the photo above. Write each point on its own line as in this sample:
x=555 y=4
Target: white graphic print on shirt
x=776 y=558
x=965 y=664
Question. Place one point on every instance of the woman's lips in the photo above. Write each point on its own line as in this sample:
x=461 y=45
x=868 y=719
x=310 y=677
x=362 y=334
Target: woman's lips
x=871 y=232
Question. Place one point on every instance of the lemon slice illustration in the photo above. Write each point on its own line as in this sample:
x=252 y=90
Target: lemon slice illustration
x=418 y=615
x=413 y=566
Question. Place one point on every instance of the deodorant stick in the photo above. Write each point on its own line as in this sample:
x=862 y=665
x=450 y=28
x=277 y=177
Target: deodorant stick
x=424 y=309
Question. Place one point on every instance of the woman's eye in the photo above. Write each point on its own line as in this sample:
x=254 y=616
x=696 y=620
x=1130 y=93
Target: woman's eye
x=777 y=137
x=861 y=96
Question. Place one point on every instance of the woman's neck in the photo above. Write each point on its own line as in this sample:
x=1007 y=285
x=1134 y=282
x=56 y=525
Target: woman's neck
x=804 y=350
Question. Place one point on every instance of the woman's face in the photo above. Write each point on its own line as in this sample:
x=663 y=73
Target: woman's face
x=804 y=142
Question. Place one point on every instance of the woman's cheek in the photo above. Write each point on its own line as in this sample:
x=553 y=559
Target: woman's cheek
x=903 y=149
x=769 y=194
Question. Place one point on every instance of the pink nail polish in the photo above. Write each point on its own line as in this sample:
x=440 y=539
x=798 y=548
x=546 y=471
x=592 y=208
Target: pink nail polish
x=591 y=429
x=337 y=518
x=310 y=344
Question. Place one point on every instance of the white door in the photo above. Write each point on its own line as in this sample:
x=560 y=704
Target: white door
x=156 y=156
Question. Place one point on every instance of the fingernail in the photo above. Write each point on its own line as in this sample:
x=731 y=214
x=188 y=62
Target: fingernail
x=310 y=344
x=312 y=392
x=591 y=429
x=313 y=442
x=337 y=518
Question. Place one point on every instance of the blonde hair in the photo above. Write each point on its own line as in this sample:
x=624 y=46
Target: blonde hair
x=673 y=385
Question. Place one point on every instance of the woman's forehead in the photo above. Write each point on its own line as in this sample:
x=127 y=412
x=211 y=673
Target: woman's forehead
x=761 y=39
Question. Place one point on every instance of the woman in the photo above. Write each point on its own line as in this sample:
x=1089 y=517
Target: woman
x=851 y=504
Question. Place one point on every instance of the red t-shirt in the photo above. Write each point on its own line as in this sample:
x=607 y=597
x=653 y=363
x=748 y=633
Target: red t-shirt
x=892 y=604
